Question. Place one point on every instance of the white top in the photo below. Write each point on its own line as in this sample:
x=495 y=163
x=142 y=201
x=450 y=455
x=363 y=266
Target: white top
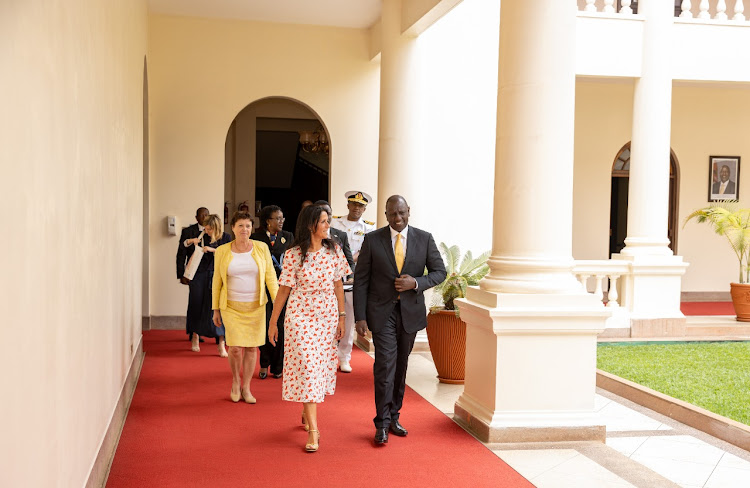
x=355 y=231
x=242 y=278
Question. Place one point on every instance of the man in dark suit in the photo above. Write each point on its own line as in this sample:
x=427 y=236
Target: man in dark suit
x=186 y=247
x=724 y=186
x=389 y=286
x=337 y=235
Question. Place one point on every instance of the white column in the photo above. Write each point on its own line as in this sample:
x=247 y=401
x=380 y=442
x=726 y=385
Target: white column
x=399 y=160
x=653 y=289
x=531 y=327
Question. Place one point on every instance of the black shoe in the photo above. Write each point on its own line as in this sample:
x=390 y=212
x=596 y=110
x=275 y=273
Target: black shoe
x=263 y=373
x=381 y=436
x=397 y=429
x=277 y=375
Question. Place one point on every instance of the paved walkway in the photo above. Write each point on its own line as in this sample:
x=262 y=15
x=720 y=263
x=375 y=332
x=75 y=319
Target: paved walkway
x=644 y=449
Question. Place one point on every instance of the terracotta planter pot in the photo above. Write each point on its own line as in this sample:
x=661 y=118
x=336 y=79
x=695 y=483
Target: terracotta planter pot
x=741 y=301
x=446 y=334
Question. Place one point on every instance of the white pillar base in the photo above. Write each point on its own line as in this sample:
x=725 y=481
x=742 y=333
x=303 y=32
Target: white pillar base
x=531 y=366
x=652 y=289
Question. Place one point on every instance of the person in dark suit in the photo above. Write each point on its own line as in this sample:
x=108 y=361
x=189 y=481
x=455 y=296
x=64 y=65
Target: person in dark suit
x=724 y=186
x=185 y=249
x=389 y=286
x=337 y=235
x=278 y=241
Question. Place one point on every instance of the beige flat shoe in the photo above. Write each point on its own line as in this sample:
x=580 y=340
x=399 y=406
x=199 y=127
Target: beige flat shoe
x=196 y=343
x=223 y=350
x=234 y=396
x=248 y=397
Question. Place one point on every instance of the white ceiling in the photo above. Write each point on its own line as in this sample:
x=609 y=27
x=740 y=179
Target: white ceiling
x=339 y=13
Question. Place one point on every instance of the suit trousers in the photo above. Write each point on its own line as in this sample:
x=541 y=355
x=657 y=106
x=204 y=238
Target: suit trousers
x=271 y=356
x=392 y=348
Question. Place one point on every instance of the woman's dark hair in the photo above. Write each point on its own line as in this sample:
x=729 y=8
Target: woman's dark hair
x=265 y=214
x=241 y=216
x=308 y=218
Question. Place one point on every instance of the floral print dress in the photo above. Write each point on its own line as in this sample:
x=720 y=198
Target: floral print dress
x=312 y=317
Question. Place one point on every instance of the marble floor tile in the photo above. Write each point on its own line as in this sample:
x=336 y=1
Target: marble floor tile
x=680 y=448
x=723 y=477
x=626 y=445
x=732 y=461
x=619 y=418
x=532 y=463
x=681 y=472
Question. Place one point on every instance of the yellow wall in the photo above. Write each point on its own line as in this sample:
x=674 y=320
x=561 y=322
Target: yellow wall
x=202 y=72
x=71 y=158
x=707 y=120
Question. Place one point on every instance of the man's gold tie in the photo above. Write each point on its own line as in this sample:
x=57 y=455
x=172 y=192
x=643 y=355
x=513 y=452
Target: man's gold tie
x=398 y=251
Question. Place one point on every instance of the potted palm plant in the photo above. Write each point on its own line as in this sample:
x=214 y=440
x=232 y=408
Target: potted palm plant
x=729 y=220
x=446 y=332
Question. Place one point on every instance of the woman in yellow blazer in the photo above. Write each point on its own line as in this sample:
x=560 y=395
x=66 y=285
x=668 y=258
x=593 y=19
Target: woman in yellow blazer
x=243 y=270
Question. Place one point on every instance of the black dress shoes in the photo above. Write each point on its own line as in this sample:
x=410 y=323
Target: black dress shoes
x=263 y=373
x=277 y=375
x=398 y=429
x=381 y=436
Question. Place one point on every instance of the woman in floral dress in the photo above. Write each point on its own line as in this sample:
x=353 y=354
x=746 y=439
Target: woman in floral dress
x=312 y=281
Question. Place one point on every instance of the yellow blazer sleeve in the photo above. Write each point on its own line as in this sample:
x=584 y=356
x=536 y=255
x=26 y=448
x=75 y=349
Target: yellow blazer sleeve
x=272 y=284
x=217 y=283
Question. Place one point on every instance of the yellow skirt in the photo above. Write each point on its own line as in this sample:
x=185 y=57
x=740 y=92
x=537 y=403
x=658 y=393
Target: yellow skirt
x=244 y=323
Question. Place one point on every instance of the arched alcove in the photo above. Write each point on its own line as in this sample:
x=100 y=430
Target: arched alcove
x=267 y=164
x=618 y=222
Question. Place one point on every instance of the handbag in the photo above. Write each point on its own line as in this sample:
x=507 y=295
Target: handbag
x=195 y=260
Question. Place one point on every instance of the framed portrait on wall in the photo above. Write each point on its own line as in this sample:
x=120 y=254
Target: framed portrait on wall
x=723 y=178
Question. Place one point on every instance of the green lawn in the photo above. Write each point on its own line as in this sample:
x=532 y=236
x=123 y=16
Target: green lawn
x=711 y=375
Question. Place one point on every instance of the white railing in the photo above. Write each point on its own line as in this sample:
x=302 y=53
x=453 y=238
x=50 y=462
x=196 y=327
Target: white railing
x=605 y=273
x=721 y=10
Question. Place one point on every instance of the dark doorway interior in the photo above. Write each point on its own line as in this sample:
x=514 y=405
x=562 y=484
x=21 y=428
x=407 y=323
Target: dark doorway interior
x=618 y=213
x=286 y=175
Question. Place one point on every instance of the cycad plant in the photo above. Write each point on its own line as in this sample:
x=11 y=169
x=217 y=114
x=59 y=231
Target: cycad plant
x=732 y=222
x=461 y=273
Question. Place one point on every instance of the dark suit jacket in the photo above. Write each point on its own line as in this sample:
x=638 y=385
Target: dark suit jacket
x=374 y=292
x=279 y=248
x=731 y=188
x=341 y=238
x=184 y=253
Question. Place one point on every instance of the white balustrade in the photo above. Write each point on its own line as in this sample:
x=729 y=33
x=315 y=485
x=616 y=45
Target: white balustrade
x=590 y=6
x=625 y=7
x=608 y=6
x=739 y=10
x=600 y=269
x=704 y=10
x=686 y=6
x=721 y=10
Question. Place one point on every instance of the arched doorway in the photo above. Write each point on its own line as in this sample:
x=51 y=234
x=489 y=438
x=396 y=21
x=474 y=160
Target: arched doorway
x=618 y=217
x=277 y=152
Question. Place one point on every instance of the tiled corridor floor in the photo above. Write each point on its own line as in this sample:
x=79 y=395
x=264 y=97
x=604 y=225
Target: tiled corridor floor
x=644 y=449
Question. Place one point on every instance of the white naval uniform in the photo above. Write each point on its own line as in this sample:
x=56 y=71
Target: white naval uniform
x=355 y=232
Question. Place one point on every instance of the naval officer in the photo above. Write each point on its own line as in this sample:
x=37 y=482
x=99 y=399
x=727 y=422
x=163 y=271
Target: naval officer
x=355 y=227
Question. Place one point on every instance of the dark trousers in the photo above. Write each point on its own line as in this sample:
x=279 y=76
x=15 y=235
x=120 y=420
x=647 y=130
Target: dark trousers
x=273 y=356
x=392 y=348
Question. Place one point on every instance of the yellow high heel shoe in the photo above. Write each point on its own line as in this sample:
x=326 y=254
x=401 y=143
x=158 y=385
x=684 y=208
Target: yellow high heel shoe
x=312 y=447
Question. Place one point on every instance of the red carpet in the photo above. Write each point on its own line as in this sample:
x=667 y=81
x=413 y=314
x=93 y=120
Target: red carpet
x=183 y=430
x=707 y=308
